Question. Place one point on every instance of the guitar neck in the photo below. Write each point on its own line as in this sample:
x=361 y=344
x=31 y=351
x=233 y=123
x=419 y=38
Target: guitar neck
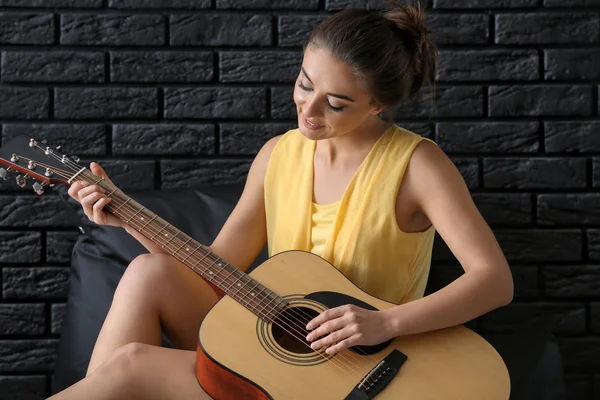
x=231 y=281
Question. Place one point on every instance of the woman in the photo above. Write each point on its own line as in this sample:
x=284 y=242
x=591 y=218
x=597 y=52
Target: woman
x=367 y=196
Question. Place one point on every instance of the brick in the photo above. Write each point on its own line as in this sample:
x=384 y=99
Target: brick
x=571 y=137
x=53 y=3
x=55 y=66
x=547 y=28
x=282 y=103
x=128 y=174
x=563 y=318
x=269 y=4
x=224 y=102
x=21 y=28
x=20 y=247
x=259 y=66
x=540 y=100
x=160 y=4
x=59 y=246
x=21 y=102
x=571 y=3
x=293 y=30
x=504 y=208
x=595 y=316
x=596 y=171
x=568 y=209
x=161 y=66
x=578 y=64
x=336 y=5
x=112 y=29
x=28 y=355
x=38 y=283
x=534 y=173
x=33 y=212
x=106 y=102
x=525 y=282
x=482 y=65
x=22 y=319
x=580 y=354
x=78 y=139
x=448 y=101
x=163 y=139
x=469 y=4
x=593 y=239
x=572 y=280
x=247 y=139
x=194 y=173
x=458 y=28
x=31 y=387
x=533 y=245
x=488 y=137
x=578 y=387
x=221 y=30
x=57 y=317
x=469 y=169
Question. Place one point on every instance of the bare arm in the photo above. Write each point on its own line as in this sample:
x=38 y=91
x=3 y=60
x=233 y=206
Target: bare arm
x=487 y=282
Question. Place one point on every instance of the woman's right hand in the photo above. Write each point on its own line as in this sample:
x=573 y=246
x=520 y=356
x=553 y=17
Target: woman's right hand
x=93 y=199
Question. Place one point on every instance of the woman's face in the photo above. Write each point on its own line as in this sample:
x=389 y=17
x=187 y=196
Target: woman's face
x=328 y=95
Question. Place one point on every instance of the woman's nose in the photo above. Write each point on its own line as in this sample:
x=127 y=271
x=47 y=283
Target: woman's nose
x=311 y=107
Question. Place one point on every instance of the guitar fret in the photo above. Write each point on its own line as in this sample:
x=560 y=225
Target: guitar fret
x=127 y=201
x=189 y=255
x=95 y=183
x=162 y=229
x=147 y=223
x=112 y=192
x=172 y=237
x=186 y=242
x=133 y=216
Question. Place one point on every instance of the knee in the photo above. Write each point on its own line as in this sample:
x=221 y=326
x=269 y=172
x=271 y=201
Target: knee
x=146 y=270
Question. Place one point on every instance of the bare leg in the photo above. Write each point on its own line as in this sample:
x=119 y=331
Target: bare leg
x=155 y=290
x=139 y=371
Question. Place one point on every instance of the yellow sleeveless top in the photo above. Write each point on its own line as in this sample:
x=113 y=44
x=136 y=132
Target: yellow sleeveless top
x=361 y=238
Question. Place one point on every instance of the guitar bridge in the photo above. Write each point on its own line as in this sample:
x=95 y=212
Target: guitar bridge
x=379 y=377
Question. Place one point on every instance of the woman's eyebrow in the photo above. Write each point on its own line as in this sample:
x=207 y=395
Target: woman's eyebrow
x=340 y=96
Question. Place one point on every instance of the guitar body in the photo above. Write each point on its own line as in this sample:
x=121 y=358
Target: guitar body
x=240 y=356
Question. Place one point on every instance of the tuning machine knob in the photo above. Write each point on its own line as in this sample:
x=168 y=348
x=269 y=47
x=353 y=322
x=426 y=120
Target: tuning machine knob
x=21 y=180
x=4 y=172
x=38 y=188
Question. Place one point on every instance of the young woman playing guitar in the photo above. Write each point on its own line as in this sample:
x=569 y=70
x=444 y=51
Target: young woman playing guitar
x=348 y=185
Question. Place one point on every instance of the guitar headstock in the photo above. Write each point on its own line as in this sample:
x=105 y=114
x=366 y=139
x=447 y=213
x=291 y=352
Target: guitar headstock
x=35 y=160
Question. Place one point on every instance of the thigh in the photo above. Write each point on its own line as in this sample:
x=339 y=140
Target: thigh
x=166 y=374
x=180 y=296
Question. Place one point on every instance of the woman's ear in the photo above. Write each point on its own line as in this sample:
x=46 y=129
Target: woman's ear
x=377 y=108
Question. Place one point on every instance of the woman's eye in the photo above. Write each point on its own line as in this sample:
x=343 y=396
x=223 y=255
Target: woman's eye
x=332 y=108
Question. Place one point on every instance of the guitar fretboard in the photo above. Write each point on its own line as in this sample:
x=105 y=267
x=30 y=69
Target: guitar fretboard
x=250 y=293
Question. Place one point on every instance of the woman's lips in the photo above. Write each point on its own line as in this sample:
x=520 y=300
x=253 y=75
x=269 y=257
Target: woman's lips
x=310 y=125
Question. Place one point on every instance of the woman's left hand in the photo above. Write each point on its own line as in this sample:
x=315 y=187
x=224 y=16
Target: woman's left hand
x=349 y=325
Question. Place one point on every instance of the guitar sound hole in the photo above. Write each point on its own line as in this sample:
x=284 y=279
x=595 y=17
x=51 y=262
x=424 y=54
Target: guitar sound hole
x=289 y=329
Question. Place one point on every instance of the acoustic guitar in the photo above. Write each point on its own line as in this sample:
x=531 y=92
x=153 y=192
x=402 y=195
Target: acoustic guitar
x=251 y=344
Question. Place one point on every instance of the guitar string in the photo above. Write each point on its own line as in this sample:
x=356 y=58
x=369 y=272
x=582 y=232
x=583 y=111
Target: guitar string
x=225 y=279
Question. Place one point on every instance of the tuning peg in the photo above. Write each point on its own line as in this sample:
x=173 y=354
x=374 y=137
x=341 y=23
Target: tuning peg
x=21 y=180
x=75 y=158
x=4 y=172
x=38 y=188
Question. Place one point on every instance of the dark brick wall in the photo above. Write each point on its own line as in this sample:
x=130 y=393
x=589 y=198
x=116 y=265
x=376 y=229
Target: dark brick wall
x=178 y=93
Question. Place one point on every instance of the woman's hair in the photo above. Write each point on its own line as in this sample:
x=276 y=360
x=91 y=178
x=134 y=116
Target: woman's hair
x=392 y=52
